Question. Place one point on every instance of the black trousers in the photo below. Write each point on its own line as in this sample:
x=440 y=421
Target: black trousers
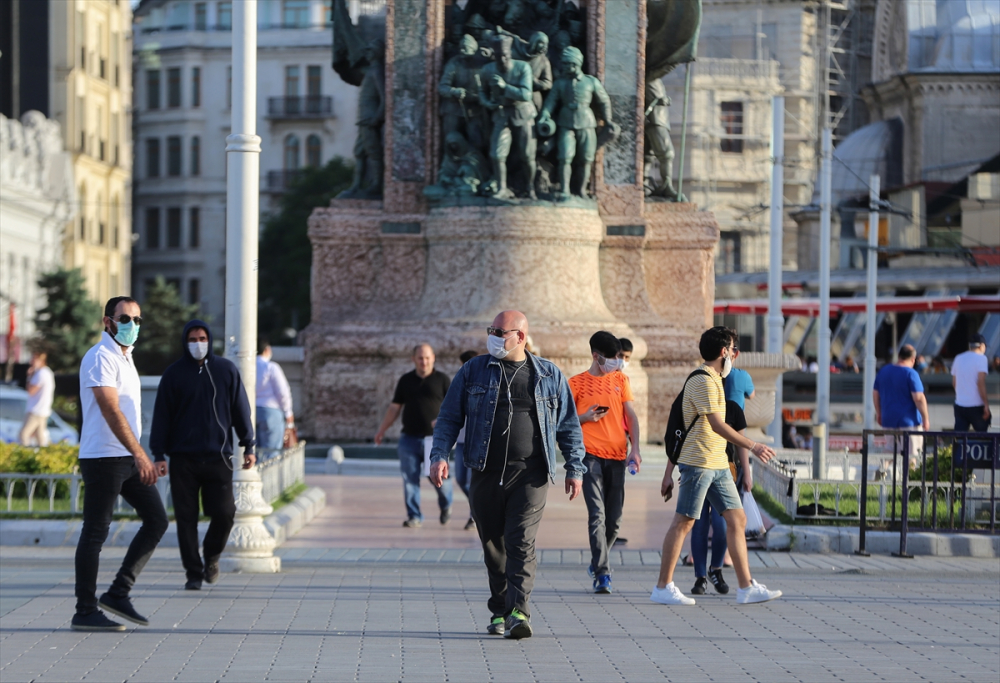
x=966 y=417
x=208 y=475
x=507 y=519
x=104 y=479
x=604 y=493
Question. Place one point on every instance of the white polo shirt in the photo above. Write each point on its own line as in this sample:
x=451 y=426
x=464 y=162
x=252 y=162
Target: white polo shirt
x=105 y=365
x=965 y=369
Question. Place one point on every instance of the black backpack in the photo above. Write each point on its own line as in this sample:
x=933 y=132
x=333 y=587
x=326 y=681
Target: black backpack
x=673 y=440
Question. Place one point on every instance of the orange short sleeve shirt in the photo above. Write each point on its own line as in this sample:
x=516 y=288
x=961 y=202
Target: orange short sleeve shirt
x=606 y=437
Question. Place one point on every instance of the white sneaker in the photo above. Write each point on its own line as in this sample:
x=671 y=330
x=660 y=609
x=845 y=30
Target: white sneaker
x=671 y=595
x=755 y=592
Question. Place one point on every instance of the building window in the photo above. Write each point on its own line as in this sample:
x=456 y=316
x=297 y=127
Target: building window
x=314 y=151
x=194 y=226
x=295 y=14
x=173 y=156
x=100 y=223
x=114 y=139
x=314 y=81
x=173 y=88
x=291 y=153
x=200 y=16
x=153 y=228
x=153 y=158
x=82 y=199
x=102 y=70
x=153 y=89
x=174 y=228
x=81 y=37
x=291 y=81
x=728 y=259
x=195 y=156
x=328 y=12
x=81 y=121
x=194 y=291
x=115 y=215
x=732 y=125
x=196 y=86
x=229 y=87
x=115 y=59
x=225 y=19
x=101 y=142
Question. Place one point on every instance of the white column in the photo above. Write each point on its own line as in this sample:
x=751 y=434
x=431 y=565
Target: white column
x=775 y=320
x=251 y=546
x=823 y=324
x=870 y=300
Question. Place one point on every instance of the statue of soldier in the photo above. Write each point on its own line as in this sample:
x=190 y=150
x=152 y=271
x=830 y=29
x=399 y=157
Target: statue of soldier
x=659 y=146
x=460 y=110
x=535 y=53
x=464 y=170
x=371 y=117
x=576 y=126
x=505 y=91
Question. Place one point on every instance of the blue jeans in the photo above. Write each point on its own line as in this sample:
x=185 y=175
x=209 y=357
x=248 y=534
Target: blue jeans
x=411 y=461
x=462 y=474
x=270 y=430
x=698 y=484
x=710 y=517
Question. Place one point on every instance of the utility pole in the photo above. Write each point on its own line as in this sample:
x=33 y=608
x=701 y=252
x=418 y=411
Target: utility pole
x=871 y=296
x=775 y=320
x=820 y=432
x=251 y=546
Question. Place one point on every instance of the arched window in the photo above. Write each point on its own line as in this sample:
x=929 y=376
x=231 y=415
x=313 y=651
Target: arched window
x=82 y=210
x=291 y=153
x=314 y=151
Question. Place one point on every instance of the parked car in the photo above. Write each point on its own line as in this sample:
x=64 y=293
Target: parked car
x=13 y=401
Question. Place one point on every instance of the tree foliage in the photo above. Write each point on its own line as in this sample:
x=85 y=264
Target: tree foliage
x=70 y=322
x=285 y=251
x=164 y=316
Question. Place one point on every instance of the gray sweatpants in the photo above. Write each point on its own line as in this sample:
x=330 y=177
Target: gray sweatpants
x=604 y=493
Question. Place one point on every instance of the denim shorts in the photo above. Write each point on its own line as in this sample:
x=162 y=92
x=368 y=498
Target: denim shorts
x=697 y=483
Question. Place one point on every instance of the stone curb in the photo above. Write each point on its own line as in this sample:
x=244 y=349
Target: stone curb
x=66 y=532
x=845 y=540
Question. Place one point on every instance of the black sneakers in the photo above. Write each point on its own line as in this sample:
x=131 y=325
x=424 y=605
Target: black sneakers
x=123 y=608
x=496 y=626
x=700 y=586
x=517 y=626
x=95 y=621
x=193 y=585
x=445 y=515
x=412 y=523
x=212 y=572
x=720 y=584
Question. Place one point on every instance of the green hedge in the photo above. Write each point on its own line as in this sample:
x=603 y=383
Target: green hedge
x=56 y=459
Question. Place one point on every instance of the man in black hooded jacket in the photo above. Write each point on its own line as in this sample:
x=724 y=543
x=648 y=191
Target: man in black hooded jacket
x=200 y=401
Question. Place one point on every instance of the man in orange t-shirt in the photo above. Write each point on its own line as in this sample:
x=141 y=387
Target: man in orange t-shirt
x=603 y=399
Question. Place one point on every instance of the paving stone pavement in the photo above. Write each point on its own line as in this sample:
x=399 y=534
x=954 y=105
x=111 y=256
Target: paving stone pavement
x=396 y=615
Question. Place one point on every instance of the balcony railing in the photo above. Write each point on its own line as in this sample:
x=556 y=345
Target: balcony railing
x=294 y=107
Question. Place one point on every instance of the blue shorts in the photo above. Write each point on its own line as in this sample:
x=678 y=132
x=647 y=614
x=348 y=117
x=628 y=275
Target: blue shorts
x=698 y=483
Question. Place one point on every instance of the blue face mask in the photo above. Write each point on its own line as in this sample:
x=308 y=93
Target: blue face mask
x=127 y=333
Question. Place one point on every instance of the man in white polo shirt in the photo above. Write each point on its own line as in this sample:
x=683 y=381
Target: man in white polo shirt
x=968 y=377
x=113 y=463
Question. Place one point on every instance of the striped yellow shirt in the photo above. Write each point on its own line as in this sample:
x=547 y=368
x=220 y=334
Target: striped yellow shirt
x=704 y=395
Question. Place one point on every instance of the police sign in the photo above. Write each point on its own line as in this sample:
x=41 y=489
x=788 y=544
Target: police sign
x=977 y=453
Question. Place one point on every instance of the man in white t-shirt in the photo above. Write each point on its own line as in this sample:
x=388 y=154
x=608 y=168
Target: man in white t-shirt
x=968 y=377
x=275 y=416
x=113 y=463
x=41 y=390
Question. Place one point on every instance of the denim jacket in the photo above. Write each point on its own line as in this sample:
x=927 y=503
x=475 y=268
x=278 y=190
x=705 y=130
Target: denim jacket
x=473 y=396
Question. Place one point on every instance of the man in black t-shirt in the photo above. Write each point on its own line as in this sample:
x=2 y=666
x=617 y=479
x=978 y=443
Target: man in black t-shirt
x=418 y=396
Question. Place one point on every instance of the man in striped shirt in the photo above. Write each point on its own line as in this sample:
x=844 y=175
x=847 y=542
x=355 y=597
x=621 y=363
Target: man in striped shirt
x=705 y=473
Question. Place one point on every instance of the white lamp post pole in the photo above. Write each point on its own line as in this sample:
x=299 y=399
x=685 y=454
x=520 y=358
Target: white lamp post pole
x=823 y=324
x=775 y=320
x=251 y=546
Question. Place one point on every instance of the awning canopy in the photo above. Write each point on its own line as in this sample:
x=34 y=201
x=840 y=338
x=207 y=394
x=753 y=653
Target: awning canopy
x=886 y=304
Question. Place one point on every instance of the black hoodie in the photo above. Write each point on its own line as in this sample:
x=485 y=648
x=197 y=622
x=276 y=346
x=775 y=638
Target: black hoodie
x=184 y=422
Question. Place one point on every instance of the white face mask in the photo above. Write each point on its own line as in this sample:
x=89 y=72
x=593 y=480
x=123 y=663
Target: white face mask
x=198 y=350
x=727 y=366
x=610 y=364
x=625 y=364
x=495 y=345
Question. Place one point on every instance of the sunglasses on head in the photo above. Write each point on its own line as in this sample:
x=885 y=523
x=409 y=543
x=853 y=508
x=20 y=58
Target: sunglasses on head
x=498 y=331
x=126 y=319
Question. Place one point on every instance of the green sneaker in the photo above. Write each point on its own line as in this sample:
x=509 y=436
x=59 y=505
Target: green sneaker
x=496 y=626
x=517 y=626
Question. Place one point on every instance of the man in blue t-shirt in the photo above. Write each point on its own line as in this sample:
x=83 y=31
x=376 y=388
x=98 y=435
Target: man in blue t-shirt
x=899 y=398
x=738 y=385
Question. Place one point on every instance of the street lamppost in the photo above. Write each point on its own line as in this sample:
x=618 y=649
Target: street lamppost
x=251 y=546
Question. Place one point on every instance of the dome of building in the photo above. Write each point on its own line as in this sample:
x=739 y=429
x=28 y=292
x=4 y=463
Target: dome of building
x=954 y=36
x=873 y=149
